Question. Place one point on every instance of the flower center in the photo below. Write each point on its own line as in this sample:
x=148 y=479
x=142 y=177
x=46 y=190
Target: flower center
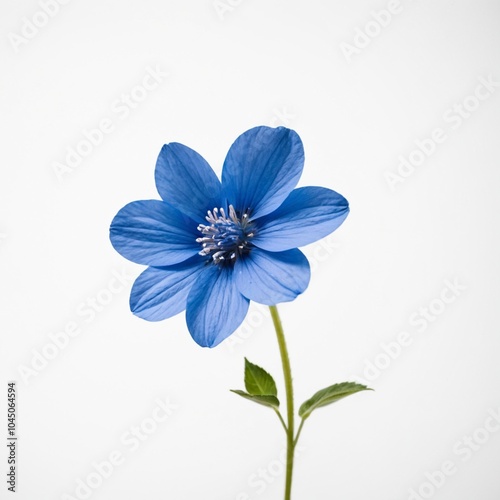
x=225 y=237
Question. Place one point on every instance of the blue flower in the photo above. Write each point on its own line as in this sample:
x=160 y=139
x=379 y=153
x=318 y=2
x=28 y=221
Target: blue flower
x=214 y=246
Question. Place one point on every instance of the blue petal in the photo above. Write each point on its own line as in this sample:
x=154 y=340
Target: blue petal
x=261 y=168
x=271 y=278
x=185 y=180
x=308 y=214
x=161 y=292
x=215 y=307
x=153 y=233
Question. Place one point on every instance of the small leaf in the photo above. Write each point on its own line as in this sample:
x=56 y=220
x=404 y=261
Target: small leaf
x=258 y=382
x=330 y=395
x=270 y=401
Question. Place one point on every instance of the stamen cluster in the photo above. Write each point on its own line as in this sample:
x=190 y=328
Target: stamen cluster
x=226 y=236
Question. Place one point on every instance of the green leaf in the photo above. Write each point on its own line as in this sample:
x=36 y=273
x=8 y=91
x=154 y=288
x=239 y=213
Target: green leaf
x=260 y=386
x=258 y=382
x=270 y=401
x=330 y=395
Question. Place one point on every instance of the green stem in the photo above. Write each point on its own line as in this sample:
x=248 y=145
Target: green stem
x=298 y=432
x=290 y=442
x=281 y=420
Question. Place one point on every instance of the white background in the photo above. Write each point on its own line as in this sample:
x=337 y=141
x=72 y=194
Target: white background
x=231 y=68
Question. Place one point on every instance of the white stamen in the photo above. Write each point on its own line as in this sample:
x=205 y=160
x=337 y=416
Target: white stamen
x=224 y=237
